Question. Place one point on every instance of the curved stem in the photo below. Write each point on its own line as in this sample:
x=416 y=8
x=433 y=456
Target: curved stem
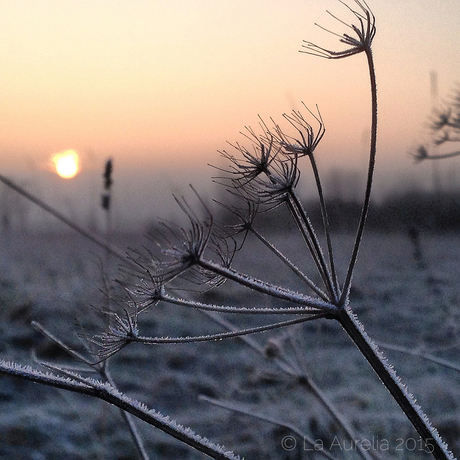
x=223 y=335
x=370 y=175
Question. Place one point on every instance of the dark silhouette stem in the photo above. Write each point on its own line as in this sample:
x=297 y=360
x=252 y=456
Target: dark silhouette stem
x=325 y=218
x=370 y=175
x=302 y=220
x=355 y=330
x=85 y=233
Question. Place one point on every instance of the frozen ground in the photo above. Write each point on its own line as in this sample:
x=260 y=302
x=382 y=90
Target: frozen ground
x=55 y=278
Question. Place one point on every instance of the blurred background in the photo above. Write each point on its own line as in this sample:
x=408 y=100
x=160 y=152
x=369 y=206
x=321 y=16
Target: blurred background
x=159 y=87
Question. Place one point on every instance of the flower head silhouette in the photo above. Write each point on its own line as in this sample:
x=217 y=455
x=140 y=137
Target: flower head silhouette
x=363 y=32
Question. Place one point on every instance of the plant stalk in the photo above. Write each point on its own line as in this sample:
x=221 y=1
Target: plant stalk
x=267 y=288
x=325 y=218
x=431 y=438
x=311 y=239
x=107 y=393
x=70 y=223
x=286 y=261
x=370 y=175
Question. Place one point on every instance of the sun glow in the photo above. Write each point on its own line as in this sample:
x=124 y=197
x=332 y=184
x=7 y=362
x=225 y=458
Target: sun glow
x=67 y=164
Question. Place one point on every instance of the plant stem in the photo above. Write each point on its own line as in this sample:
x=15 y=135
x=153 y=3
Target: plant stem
x=85 y=233
x=311 y=239
x=107 y=393
x=421 y=354
x=241 y=410
x=224 y=335
x=431 y=438
x=267 y=288
x=370 y=175
x=325 y=218
x=244 y=310
x=311 y=386
x=283 y=258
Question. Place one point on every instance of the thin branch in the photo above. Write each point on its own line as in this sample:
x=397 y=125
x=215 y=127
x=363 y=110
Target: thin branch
x=108 y=393
x=312 y=240
x=85 y=233
x=287 y=262
x=267 y=288
x=420 y=354
x=236 y=408
x=225 y=335
x=240 y=310
x=326 y=225
x=370 y=175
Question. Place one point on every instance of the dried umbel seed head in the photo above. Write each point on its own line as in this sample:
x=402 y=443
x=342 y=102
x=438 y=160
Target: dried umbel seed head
x=363 y=33
x=307 y=139
x=274 y=189
x=271 y=187
x=145 y=294
x=176 y=249
x=120 y=332
x=248 y=165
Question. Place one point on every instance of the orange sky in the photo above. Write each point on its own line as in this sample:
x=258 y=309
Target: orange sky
x=152 y=83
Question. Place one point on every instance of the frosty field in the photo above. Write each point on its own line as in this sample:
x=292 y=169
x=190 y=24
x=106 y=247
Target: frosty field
x=55 y=278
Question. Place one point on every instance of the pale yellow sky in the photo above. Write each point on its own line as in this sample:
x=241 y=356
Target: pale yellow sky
x=157 y=82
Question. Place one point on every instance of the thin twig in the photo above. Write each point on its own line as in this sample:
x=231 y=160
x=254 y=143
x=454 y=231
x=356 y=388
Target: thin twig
x=106 y=392
x=420 y=354
x=392 y=382
x=287 y=262
x=85 y=233
x=237 y=408
x=370 y=175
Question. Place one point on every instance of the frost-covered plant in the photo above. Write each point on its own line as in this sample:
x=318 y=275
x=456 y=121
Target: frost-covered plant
x=185 y=262
x=445 y=127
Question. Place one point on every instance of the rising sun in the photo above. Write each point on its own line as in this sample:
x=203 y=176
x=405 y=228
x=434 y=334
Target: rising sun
x=67 y=164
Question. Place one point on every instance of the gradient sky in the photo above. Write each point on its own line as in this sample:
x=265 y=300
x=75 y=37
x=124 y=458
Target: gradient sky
x=162 y=83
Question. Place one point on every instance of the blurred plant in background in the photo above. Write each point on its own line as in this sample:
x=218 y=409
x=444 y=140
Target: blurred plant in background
x=445 y=128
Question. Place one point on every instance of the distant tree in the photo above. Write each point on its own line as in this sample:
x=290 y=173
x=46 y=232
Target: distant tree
x=445 y=127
